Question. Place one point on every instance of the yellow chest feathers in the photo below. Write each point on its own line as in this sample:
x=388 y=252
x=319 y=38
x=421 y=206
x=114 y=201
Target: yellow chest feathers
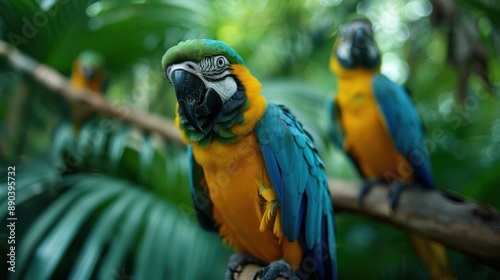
x=355 y=95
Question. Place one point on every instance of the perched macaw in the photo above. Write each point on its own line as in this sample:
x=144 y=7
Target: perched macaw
x=376 y=124
x=256 y=176
x=87 y=72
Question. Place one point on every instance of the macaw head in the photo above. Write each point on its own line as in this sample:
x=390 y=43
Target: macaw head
x=211 y=85
x=88 y=71
x=355 y=46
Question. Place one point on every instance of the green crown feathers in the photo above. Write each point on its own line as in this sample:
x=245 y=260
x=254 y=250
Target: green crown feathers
x=195 y=50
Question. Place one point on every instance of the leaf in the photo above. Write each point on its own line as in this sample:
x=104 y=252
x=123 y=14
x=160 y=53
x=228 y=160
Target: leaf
x=125 y=236
x=147 y=264
x=52 y=248
x=41 y=226
x=62 y=135
x=31 y=179
x=172 y=246
x=146 y=155
x=102 y=232
x=91 y=138
x=117 y=144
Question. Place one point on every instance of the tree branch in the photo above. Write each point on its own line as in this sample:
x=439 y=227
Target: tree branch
x=458 y=223
x=84 y=97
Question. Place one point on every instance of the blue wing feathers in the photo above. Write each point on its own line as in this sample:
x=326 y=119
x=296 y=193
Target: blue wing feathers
x=296 y=172
x=272 y=169
x=335 y=131
x=405 y=126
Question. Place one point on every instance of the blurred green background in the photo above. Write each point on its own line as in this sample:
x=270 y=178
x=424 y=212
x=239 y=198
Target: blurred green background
x=112 y=202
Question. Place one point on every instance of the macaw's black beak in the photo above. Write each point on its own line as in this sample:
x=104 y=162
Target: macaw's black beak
x=197 y=103
x=88 y=72
x=364 y=51
x=358 y=48
x=360 y=40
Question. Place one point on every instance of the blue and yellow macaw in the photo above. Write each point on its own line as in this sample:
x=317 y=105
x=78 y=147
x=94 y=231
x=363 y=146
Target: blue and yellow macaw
x=256 y=176
x=87 y=72
x=376 y=124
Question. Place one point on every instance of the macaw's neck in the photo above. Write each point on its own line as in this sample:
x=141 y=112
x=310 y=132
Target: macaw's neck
x=344 y=74
x=238 y=116
x=78 y=80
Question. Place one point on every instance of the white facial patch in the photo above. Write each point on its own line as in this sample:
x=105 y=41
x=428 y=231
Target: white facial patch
x=225 y=88
x=344 y=49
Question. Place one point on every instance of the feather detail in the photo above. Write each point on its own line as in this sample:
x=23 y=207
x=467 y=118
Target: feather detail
x=270 y=206
x=277 y=230
x=268 y=216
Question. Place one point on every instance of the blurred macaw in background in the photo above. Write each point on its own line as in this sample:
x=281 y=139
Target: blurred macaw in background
x=256 y=176
x=88 y=71
x=376 y=124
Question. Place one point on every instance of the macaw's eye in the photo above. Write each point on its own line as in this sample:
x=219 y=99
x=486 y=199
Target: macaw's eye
x=221 y=61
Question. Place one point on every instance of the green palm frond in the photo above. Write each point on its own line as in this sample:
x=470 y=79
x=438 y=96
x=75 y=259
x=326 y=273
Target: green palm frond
x=101 y=225
x=105 y=146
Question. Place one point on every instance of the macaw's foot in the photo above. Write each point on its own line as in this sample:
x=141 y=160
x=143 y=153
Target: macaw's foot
x=395 y=189
x=274 y=270
x=366 y=187
x=238 y=261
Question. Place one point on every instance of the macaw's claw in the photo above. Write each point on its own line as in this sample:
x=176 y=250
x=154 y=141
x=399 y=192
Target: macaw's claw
x=366 y=187
x=395 y=189
x=237 y=262
x=274 y=270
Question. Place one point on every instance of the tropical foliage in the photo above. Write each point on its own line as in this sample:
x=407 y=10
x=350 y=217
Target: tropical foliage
x=112 y=201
